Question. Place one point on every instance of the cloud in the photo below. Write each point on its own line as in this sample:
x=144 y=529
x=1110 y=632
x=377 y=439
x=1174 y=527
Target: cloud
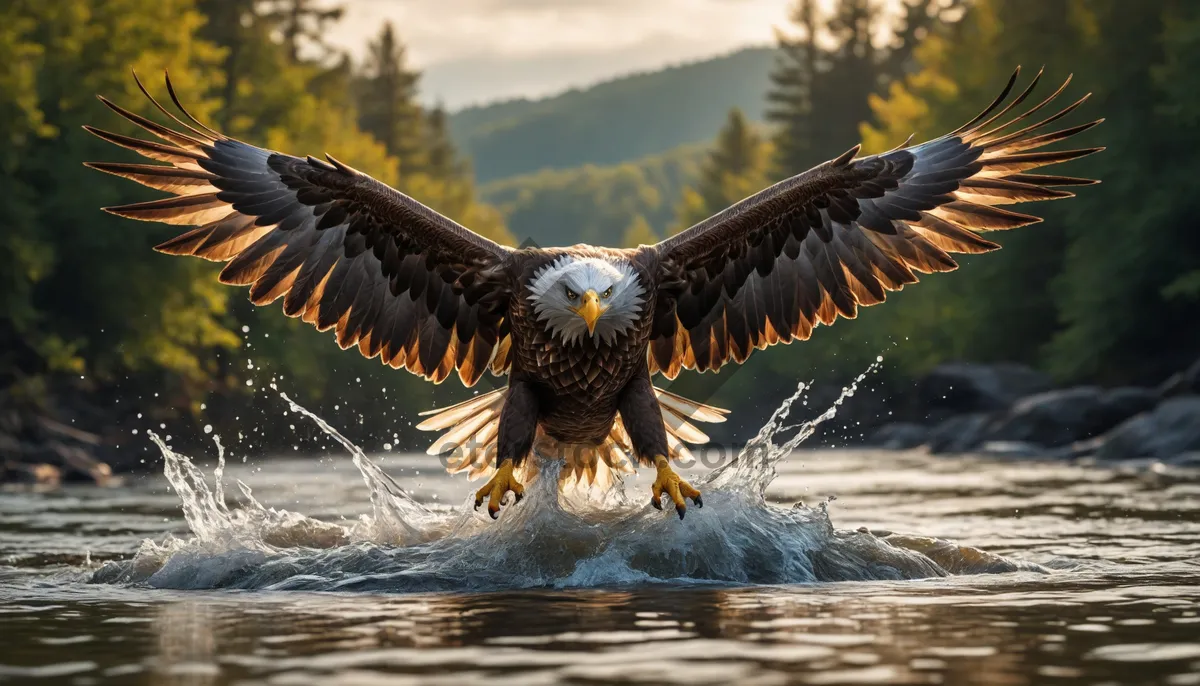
x=450 y=38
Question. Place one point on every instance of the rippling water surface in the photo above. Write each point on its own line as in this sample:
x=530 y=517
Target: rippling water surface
x=922 y=570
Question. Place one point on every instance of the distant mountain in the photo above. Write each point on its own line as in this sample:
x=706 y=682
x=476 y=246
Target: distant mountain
x=615 y=121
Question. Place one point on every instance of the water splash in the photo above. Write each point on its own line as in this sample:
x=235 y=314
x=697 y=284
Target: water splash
x=404 y=546
x=753 y=469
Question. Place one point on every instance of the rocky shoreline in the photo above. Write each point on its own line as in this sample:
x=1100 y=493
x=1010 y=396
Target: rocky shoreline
x=1004 y=410
x=1012 y=410
x=39 y=450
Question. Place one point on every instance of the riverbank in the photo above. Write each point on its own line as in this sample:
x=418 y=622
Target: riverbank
x=1012 y=410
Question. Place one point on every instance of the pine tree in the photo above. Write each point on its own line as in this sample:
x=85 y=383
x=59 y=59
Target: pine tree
x=441 y=159
x=791 y=97
x=820 y=94
x=235 y=26
x=387 y=102
x=734 y=169
x=302 y=21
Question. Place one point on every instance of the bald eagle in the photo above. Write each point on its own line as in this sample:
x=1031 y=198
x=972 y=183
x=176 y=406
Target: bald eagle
x=581 y=332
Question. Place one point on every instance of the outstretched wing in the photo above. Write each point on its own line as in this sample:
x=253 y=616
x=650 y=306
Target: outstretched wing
x=344 y=251
x=770 y=268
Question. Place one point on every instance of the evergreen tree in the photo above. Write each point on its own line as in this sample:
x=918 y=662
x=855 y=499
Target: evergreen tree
x=1107 y=277
x=387 y=103
x=441 y=159
x=791 y=97
x=734 y=169
x=235 y=26
x=303 y=21
x=828 y=71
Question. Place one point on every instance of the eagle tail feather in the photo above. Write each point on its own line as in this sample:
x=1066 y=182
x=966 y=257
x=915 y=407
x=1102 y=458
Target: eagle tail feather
x=470 y=429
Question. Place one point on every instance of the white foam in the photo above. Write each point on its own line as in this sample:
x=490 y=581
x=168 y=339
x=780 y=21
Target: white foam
x=401 y=545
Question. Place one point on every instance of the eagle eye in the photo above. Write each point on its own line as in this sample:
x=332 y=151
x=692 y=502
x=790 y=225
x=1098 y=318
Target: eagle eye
x=572 y=295
x=607 y=293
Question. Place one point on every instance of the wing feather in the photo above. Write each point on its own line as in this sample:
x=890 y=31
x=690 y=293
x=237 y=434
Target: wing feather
x=839 y=236
x=343 y=250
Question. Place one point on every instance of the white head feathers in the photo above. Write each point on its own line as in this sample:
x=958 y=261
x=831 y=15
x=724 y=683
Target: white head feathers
x=558 y=288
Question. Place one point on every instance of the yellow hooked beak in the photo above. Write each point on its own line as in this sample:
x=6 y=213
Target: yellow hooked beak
x=590 y=309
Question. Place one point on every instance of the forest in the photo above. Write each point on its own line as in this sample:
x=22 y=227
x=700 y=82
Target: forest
x=100 y=331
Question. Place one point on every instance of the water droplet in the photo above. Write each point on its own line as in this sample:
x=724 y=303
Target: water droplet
x=208 y=428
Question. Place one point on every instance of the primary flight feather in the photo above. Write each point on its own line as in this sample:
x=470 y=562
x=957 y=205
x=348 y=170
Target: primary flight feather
x=581 y=331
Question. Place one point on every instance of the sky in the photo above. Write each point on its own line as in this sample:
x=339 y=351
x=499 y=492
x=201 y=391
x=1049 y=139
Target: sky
x=478 y=51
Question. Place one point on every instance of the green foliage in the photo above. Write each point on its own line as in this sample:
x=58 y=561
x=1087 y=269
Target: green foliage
x=82 y=292
x=594 y=204
x=614 y=122
x=735 y=168
x=77 y=302
x=387 y=101
x=302 y=22
x=828 y=69
x=1133 y=245
x=1105 y=280
x=638 y=233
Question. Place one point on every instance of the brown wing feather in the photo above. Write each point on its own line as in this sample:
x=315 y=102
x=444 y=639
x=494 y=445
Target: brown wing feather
x=839 y=236
x=344 y=251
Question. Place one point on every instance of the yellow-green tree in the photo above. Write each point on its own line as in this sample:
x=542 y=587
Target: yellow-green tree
x=1096 y=287
x=638 y=233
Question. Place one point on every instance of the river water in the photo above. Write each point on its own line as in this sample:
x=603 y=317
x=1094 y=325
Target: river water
x=804 y=566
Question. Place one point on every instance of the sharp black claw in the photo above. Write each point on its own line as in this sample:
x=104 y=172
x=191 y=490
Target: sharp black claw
x=477 y=504
x=518 y=497
x=655 y=502
x=494 y=514
x=699 y=501
x=681 y=510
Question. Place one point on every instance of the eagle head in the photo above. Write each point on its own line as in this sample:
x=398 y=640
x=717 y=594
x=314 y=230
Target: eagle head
x=578 y=297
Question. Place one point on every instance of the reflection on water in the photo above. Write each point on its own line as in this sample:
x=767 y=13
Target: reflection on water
x=1097 y=583
x=1014 y=630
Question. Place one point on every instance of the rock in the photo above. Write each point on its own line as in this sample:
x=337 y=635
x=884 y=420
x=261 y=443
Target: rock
x=39 y=474
x=1050 y=419
x=958 y=434
x=1077 y=450
x=1190 y=460
x=1119 y=404
x=1011 y=449
x=965 y=387
x=1170 y=429
x=1183 y=383
x=898 y=436
x=77 y=465
x=1059 y=418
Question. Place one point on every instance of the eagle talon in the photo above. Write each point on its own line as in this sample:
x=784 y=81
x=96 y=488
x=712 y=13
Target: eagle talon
x=669 y=482
x=502 y=482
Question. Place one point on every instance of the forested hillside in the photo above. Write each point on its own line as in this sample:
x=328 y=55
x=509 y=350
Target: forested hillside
x=618 y=121
x=92 y=320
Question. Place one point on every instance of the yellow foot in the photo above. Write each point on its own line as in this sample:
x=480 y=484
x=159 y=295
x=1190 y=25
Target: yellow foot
x=502 y=482
x=669 y=482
